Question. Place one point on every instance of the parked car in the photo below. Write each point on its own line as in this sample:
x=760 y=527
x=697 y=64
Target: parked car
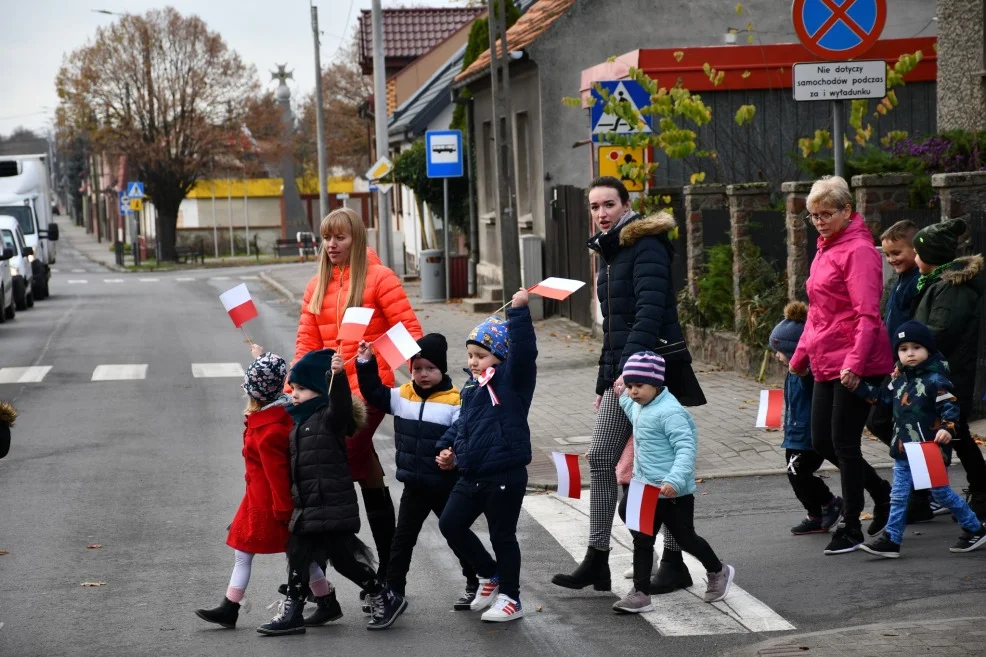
x=24 y=195
x=7 y=308
x=20 y=265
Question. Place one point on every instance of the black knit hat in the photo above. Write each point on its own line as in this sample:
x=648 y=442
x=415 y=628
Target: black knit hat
x=434 y=348
x=310 y=370
x=938 y=244
x=915 y=331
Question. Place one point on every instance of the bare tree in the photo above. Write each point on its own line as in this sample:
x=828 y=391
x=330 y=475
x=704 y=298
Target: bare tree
x=164 y=90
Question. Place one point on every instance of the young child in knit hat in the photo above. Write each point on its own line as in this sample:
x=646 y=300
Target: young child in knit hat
x=491 y=446
x=924 y=410
x=665 y=444
x=423 y=410
x=824 y=509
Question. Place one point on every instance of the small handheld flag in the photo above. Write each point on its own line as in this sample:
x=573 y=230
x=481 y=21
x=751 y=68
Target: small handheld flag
x=396 y=346
x=771 y=407
x=927 y=465
x=569 y=477
x=641 y=506
x=557 y=288
x=354 y=323
x=239 y=305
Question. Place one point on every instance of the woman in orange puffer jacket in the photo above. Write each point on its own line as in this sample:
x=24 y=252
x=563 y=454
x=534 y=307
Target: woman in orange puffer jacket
x=351 y=275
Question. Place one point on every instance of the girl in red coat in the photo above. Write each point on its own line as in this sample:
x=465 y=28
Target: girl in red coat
x=261 y=523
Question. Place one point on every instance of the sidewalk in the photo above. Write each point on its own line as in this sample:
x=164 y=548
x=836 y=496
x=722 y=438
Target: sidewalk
x=954 y=637
x=100 y=253
x=562 y=417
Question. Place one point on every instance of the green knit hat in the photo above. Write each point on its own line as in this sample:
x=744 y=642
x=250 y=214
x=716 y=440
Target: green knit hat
x=938 y=244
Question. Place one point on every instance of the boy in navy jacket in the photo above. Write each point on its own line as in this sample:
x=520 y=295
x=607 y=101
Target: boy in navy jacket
x=491 y=446
x=824 y=509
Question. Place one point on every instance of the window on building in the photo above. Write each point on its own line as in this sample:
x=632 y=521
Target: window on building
x=525 y=186
x=489 y=167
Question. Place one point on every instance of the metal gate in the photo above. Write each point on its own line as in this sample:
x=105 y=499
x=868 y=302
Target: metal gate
x=568 y=256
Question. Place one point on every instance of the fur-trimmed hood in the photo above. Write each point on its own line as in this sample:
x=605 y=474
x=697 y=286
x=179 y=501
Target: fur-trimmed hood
x=656 y=224
x=8 y=414
x=965 y=270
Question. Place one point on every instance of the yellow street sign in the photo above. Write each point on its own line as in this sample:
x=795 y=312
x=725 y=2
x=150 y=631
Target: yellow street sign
x=382 y=167
x=612 y=157
x=137 y=204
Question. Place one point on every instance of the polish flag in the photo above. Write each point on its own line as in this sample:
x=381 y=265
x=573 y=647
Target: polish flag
x=239 y=305
x=354 y=323
x=641 y=506
x=927 y=465
x=396 y=346
x=569 y=477
x=557 y=288
x=771 y=407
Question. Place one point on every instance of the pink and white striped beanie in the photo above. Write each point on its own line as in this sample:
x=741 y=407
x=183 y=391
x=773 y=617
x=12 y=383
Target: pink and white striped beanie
x=644 y=367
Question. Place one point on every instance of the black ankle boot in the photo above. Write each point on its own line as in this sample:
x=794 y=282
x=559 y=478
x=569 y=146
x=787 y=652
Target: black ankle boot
x=382 y=520
x=672 y=575
x=327 y=609
x=225 y=614
x=593 y=570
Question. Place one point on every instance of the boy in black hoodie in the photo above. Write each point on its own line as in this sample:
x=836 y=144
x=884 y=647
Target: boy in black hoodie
x=326 y=514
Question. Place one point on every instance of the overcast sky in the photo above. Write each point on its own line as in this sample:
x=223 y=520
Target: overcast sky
x=38 y=33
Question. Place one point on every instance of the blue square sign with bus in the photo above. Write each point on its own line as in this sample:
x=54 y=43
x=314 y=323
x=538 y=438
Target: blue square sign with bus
x=444 y=152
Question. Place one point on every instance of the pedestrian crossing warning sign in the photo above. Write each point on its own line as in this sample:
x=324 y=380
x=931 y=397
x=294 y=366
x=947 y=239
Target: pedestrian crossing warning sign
x=611 y=158
x=624 y=91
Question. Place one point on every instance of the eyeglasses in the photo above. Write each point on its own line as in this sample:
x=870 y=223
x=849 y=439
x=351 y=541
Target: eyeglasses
x=824 y=217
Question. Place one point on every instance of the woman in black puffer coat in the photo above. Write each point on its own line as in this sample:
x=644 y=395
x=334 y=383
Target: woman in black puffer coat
x=635 y=291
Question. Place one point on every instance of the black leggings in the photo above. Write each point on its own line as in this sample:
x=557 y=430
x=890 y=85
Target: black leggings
x=837 y=420
x=347 y=554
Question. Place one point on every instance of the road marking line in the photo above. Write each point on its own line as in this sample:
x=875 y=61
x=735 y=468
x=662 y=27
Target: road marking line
x=78 y=271
x=216 y=370
x=249 y=278
x=119 y=372
x=682 y=613
x=185 y=279
x=77 y=281
x=149 y=280
x=35 y=374
x=54 y=271
x=219 y=278
x=112 y=280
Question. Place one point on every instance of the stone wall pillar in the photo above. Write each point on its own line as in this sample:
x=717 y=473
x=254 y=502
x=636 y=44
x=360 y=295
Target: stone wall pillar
x=881 y=192
x=698 y=198
x=960 y=193
x=743 y=200
x=961 y=86
x=797 y=238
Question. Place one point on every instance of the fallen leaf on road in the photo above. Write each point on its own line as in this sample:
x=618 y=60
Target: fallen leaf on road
x=553 y=334
x=700 y=481
x=92 y=583
x=94 y=546
x=771 y=430
x=750 y=401
x=705 y=493
x=866 y=516
x=2 y=552
x=871 y=438
x=742 y=408
x=538 y=608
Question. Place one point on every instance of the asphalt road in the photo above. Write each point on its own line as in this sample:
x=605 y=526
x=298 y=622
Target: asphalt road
x=150 y=469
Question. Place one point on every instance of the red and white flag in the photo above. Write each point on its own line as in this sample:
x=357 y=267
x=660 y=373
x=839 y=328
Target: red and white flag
x=771 y=407
x=396 y=346
x=927 y=465
x=239 y=305
x=641 y=506
x=354 y=323
x=569 y=477
x=557 y=288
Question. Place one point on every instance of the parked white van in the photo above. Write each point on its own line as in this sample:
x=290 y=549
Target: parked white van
x=20 y=265
x=24 y=196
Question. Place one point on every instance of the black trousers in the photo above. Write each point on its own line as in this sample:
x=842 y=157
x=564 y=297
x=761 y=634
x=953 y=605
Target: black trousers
x=837 y=420
x=677 y=515
x=968 y=452
x=417 y=503
x=347 y=554
x=809 y=488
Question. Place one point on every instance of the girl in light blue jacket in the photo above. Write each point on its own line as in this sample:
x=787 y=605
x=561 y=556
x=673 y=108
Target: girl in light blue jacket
x=665 y=443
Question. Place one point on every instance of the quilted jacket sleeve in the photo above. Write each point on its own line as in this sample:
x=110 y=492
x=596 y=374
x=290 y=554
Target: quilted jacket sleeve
x=653 y=291
x=308 y=337
x=682 y=438
x=946 y=405
x=275 y=458
x=392 y=301
x=373 y=390
x=522 y=358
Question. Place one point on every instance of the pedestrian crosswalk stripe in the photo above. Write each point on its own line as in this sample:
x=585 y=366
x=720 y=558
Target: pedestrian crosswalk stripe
x=216 y=370
x=54 y=271
x=683 y=613
x=78 y=271
x=119 y=372
x=185 y=279
x=112 y=280
x=77 y=281
x=35 y=374
x=249 y=278
x=149 y=280
x=219 y=278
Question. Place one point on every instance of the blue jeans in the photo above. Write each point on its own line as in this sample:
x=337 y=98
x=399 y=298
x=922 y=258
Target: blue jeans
x=944 y=495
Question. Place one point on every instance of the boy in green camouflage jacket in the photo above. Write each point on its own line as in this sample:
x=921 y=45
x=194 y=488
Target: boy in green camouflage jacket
x=924 y=409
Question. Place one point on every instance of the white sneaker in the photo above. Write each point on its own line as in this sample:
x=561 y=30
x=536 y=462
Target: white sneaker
x=488 y=589
x=628 y=573
x=505 y=609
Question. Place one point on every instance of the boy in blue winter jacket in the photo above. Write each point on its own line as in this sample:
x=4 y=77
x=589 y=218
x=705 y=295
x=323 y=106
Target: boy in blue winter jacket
x=491 y=446
x=665 y=444
x=824 y=509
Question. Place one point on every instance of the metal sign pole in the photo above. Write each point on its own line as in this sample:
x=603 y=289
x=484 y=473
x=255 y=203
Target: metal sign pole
x=446 y=225
x=838 y=139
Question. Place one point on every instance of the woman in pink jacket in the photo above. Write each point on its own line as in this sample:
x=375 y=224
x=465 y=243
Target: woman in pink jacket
x=844 y=342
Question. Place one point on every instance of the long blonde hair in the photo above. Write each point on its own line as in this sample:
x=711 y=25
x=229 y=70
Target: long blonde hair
x=252 y=406
x=347 y=221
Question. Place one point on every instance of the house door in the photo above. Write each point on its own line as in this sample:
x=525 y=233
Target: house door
x=567 y=232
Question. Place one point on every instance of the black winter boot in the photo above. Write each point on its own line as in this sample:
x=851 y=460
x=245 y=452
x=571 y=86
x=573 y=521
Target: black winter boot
x=593 y=570
x=225 y=614
x=290 y=619
x=327 y=609
x=383 y=522
x=672 y=575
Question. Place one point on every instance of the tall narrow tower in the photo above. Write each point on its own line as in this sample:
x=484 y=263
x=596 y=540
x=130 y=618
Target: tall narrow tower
x=295 y=219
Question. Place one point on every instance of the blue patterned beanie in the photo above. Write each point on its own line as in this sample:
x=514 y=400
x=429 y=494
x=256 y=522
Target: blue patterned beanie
x=491 y=335
x=264 y=379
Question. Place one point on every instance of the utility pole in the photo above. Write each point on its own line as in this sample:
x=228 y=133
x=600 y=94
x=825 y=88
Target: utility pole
x=380 y=120
x=506 y=196
x=323 y=195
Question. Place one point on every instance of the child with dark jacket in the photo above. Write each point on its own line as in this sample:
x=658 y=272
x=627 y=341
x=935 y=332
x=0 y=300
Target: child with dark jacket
x=924 y=410
x=423 y=410
x=326 y=518
x=824 y=509
x=491 y=445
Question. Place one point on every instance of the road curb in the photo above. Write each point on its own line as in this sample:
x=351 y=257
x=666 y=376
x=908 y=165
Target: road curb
x=278 y=287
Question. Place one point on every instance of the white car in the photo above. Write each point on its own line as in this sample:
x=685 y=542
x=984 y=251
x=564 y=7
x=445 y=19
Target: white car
x=20 y=265
x=7 y=308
